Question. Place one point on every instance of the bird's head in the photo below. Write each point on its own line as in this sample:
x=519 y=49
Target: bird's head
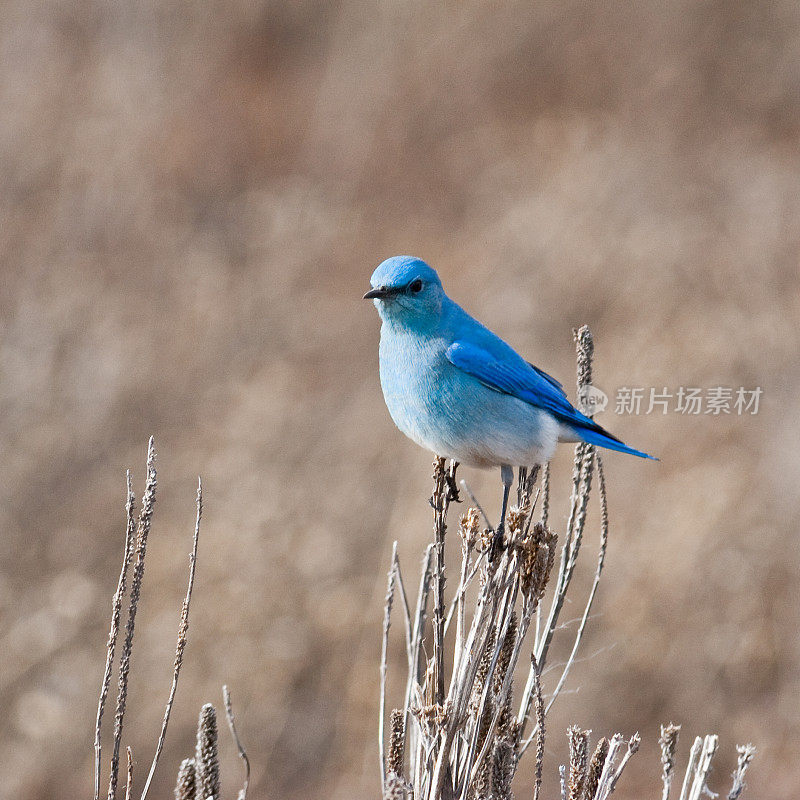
x=406 y=289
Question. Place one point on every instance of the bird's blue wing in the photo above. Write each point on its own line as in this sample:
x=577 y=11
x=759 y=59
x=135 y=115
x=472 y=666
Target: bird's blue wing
x=517 y=378
x=549 y=378
x=522 y=380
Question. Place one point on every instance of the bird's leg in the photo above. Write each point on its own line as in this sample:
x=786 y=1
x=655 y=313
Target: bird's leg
x=498 y=545
x=450 y=479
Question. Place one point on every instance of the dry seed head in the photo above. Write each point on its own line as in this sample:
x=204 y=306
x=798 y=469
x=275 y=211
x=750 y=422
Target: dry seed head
x=501 y=670
x=515 y=520
x=396 y=742
x=669 y=744
x=506 y=651
x=432 y=717
x=578 y=761
x=394 y=787
x=206 y=758
x=482 y=673
x=481 y=785
x=584 y=344
x=469 y=527
x=185 y=786
x=595 y=769
x=537 y=559
x=486 y=537
x=502 y=769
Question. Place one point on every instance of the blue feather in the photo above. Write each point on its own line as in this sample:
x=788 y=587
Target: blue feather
x=522 y=380
x=459 y=390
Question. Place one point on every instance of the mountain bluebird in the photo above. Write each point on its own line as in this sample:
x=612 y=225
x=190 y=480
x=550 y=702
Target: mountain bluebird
x=455 y=388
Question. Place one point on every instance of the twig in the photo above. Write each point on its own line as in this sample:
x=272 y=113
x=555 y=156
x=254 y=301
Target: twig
x=116 y=613
x=226 y=696
x=142 y=532
x=572 y=541
x=387 y=618
x=607 y=774
x=668 y=742
x=581 y=488
x=703 y=766
x=465 y=487
x=418 y=632
x=633 y=748
x=404 y=600
x=694 y=756
x=440 y=500
x=129 y=774
x=746 y=754
x=595 y=583
x=183 y=630
x=540 y=730
x=546 y=494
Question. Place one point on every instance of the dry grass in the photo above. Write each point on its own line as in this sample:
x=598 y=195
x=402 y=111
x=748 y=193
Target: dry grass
x=197 y=777
x=460 y=735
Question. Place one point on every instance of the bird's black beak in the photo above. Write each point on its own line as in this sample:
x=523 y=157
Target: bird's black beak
x=379 y=293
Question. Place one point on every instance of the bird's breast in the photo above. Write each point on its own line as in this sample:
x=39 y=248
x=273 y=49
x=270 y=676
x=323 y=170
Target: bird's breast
x=449 y=412
x=412 y=376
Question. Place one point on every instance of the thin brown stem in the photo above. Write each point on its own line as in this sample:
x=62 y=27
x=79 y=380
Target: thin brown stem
x=387 y=619
x=116 y=613
x=226 y=696
x=142 y=532
x=183 y=630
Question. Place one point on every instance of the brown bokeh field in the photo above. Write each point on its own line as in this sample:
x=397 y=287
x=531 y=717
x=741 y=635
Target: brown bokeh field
x=193 y=198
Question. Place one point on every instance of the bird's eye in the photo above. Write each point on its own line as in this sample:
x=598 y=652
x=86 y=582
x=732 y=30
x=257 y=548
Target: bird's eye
x=415 y=287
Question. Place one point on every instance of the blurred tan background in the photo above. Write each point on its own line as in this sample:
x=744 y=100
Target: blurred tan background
x=193 y=198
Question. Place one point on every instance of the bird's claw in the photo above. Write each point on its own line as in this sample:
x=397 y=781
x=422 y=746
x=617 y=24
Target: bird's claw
x=497 y=544
x=452 y=487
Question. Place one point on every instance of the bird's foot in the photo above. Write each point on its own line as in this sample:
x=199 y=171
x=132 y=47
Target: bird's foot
x=452 y=486
x=498 y=543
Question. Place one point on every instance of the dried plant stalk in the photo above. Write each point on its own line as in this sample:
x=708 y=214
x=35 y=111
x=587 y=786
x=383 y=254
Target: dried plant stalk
x=183 y=629
x=128 y=774
x=387 y=619
x=540 y=728
x=707 y=752
x=444 y=481
x=116 y=614
x=226 y=696
x=746 y=755
x=198 y=778
x=691 y=767
x=142 y=532
x=456 y=738
x=668 y=744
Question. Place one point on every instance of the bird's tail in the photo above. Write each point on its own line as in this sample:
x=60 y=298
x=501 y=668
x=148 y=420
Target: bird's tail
x=590 y=432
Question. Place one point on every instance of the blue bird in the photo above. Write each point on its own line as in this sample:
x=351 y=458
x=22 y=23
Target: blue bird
x=457 y=389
